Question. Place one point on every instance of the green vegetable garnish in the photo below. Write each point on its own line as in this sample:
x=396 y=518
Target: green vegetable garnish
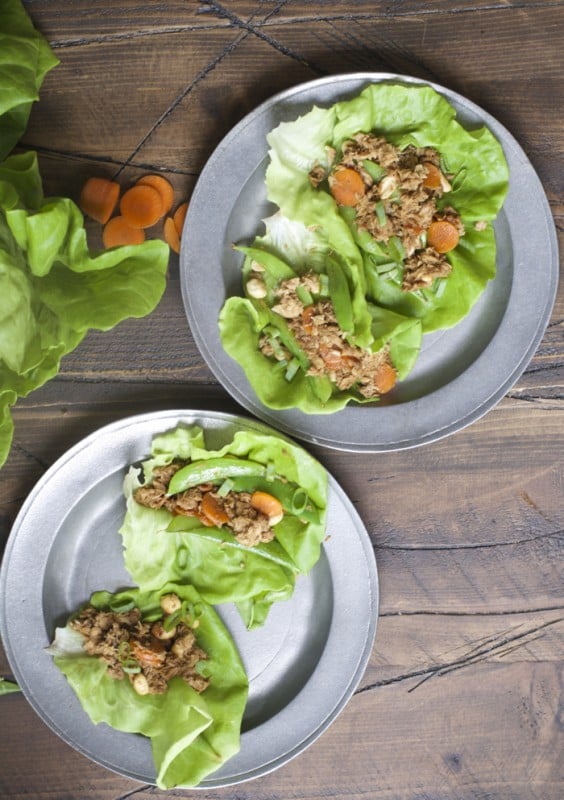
x=213 y=470
x=53 y=290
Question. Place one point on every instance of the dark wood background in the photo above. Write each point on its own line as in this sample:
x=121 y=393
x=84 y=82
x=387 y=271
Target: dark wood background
x=462 y=699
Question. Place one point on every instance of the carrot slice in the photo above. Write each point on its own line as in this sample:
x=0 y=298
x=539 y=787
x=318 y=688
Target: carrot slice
x=268 y=504
x=213 y=510
x=442 y=235
x=141 y=206
x=171 y=235
x=119 y=232
x=98 y=198
x=179 y=216
x=347 y=186
x=433 y=177
x=163 y=187
x=385 y=378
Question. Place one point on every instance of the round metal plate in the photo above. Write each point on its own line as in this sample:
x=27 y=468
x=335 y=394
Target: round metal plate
x=303 y=664
x=461 y=373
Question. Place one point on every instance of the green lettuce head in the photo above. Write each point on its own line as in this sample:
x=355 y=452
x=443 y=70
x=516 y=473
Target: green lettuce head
x=192 y=734
x=53 y=289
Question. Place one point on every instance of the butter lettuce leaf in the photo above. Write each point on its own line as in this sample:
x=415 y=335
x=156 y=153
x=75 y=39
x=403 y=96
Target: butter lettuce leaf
x=25 y=59
x=403 y=114
x=288 y=248
x=191 y=734
x=159 y=546
x=53 y=289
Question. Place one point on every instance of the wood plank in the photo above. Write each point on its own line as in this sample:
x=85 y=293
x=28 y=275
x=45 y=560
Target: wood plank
x=491 y=731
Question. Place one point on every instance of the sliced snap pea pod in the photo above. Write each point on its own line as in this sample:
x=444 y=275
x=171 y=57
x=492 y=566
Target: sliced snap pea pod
x=275 y=267
x=340 y=295
x=212 y=470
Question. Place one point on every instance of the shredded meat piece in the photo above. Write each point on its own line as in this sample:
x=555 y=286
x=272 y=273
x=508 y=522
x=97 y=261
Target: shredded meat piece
x=154 y=494
x=422 y=268
x=325 y=344
x=124 y=641
x=409 y=205
x=249 y=525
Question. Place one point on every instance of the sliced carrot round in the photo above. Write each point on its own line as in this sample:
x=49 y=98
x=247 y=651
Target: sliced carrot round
x=171 y=235
x=442 y=235
x=385 y=378
x=141 y=206
x=179 y=216
x=98 y=198
x=119 y=232
x=433 y=177
x=347 y=186
x=213 y=510
x=163 y=187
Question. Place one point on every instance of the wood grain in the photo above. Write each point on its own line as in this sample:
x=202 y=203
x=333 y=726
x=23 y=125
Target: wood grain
x=462 y=698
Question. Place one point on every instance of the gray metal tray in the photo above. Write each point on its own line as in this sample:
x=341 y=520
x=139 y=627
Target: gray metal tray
x=461 y=373
x=303 y=664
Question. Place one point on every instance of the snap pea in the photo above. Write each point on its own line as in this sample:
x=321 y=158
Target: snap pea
x=340 y=295
x=274 y=266
x=288 y=340
x=213 y=470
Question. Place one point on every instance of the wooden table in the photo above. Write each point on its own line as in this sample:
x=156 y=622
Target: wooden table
x=462 y=698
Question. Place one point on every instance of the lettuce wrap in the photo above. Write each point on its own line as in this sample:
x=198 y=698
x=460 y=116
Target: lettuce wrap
x=404 y=115
x=287 y=250
x=191 y=733
x=52 y=288
x=161 y=546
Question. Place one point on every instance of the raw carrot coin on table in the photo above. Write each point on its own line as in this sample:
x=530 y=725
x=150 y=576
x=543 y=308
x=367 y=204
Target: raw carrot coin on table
x=171 y=235
x=118 y=231
x=98 y=198
x=141 y=206
x=163 y=187
x=179 y=216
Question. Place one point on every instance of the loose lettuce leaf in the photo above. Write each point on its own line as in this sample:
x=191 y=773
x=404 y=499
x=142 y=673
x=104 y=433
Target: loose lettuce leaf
x=159 y=547
x=242 y=322
x=53 y=290
x=25 y=59
x=191 y=734
x=405 y=115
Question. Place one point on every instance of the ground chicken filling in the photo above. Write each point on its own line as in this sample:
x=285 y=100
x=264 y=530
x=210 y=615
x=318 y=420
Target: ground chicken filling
x=316 y=330
x=235 y=510
x=394 y=194
x=150 y=654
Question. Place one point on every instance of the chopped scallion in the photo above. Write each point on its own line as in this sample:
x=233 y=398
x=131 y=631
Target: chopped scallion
x=304 y=295
x=375 y=171
x=381 y=213
x=225 y=487
x=292 y=368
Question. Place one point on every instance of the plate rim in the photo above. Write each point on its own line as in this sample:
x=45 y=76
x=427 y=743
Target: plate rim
x=285 y=420
x=168 y=418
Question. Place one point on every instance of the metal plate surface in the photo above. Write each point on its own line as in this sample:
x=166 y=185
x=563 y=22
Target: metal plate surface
x=462 y=372
x=303 y=664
